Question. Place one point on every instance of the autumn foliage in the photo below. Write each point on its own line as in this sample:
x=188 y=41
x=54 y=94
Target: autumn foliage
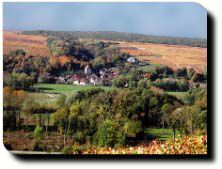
x=182 y=145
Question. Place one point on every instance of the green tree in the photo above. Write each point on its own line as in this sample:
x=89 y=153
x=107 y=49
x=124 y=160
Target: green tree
x=166 y=109
x=109 y=134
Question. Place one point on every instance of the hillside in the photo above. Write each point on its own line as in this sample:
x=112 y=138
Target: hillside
x=171 y=55
x=32 y=44
x=122 y=36
x=174 y=56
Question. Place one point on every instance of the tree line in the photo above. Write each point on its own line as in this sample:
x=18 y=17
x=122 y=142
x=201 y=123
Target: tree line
x=122 y=36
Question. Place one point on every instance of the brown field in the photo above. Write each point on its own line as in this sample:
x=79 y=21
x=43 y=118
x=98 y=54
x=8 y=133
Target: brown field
x=172 y=55
x=31 y=44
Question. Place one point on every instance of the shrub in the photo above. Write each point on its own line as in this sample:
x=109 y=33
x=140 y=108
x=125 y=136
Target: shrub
x=38 y=134
x=109 y=134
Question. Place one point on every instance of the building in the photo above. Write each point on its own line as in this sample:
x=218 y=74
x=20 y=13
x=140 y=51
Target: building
x=132 y=60
x=87 y=70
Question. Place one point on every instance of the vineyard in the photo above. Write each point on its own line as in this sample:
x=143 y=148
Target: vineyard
x=186 y=145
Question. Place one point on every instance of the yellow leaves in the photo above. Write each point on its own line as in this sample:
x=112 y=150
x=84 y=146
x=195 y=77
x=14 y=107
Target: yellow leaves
x=185 y=145
x=13 y=97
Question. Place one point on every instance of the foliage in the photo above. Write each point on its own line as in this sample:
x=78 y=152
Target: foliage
x=38 y=134
x=182 y=145
x=109 y=134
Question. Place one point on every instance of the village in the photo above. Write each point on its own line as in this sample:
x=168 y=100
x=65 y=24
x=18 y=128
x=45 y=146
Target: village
x=103 y=78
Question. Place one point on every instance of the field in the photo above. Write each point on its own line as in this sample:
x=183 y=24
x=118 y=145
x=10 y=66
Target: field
x=149 y=68
x=159 y=134
x=64 y=88
x=179 y=95
x=31 y=44
x=173 y=56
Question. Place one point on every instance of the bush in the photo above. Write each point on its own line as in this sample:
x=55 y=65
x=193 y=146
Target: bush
x=38 y=134
x=109 y=134
x=67 y=150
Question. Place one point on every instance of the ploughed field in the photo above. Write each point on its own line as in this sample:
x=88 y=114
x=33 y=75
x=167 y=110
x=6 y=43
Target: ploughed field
x=31 y=44
x=173 y=56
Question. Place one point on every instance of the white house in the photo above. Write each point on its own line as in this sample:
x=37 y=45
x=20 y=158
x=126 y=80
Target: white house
x=82 y=83
x=76 y=82
x=132 y=60
x=93 y=79
x=87 y=70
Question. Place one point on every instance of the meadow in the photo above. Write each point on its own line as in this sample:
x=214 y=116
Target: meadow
x=65 y=88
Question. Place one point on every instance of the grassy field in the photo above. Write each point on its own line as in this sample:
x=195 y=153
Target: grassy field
x=65 y=89
x=159 y=134
x=179 y=95
x=149 y=68
x=42 y=98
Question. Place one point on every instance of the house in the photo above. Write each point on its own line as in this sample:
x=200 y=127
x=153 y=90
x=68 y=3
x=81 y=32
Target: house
x=132 y=60
x=93 y=79
x=60 y=80
x=76 y=82
x=102 y=72
x=87 y=70
x=83 y=82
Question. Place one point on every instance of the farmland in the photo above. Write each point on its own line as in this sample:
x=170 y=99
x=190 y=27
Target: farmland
x=32 y=44
x=173 y=56
x=65 y=89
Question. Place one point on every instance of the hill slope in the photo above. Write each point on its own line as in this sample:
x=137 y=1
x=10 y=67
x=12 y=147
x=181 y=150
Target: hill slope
x=122 y=36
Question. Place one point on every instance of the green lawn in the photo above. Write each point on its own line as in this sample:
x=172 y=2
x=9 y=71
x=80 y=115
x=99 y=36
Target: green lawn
x=149 y=68
x=159 y=134
x=65 y=89
x=42 y=98
x=179 y=95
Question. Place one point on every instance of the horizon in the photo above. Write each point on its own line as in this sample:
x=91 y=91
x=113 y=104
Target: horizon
x=107 y=32
x=180 y=20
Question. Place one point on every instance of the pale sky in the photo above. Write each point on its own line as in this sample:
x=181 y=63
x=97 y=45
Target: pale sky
x=165 y=19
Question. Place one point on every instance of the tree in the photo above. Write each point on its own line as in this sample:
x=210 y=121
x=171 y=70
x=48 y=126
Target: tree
x=61 y=119
x=166 y=109
x=175 y=120
x=180 y=72
x=13 y=102
x=109 y=134
x=132 y=128
x=38 y=134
